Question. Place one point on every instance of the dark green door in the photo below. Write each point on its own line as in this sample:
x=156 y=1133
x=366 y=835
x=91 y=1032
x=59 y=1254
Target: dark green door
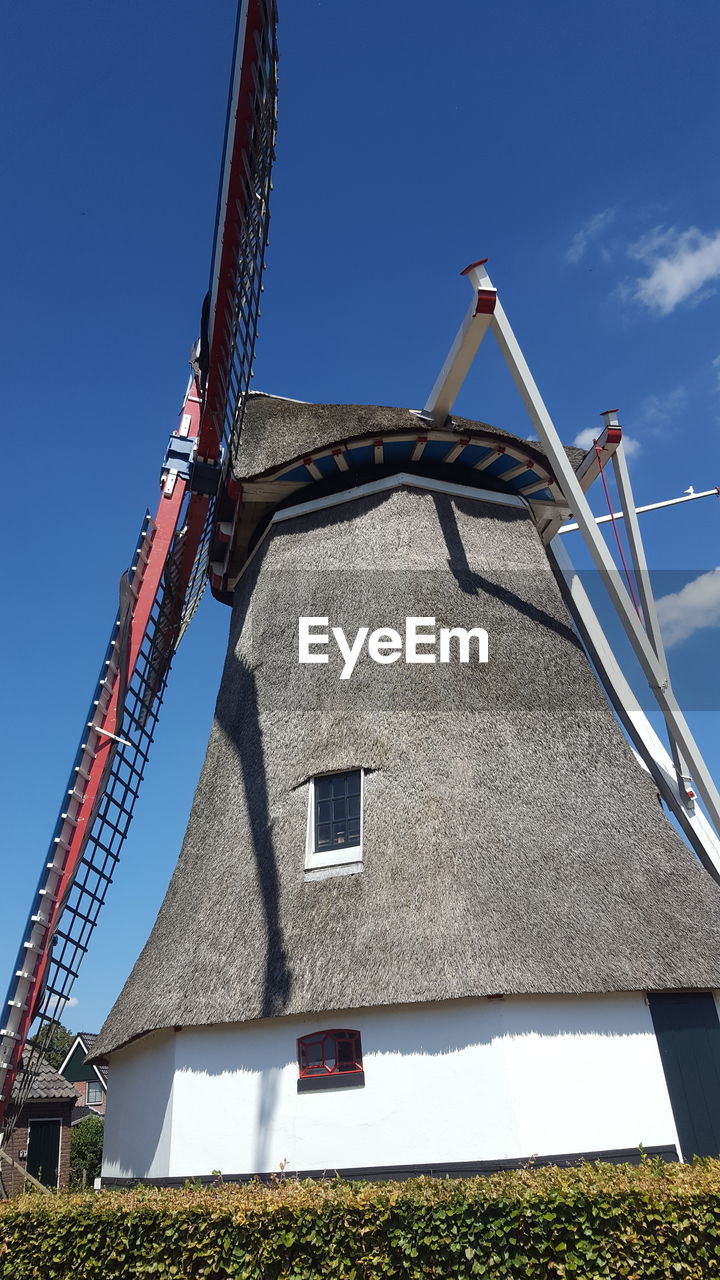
x=44 y=1151
x=688 y=1036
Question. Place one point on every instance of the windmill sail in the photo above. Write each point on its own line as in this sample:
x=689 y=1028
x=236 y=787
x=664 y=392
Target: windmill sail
x=72 y=889
x=162 y=590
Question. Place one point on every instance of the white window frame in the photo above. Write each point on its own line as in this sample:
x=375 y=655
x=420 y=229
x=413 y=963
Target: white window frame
x=344 y=855
x=94 y=1084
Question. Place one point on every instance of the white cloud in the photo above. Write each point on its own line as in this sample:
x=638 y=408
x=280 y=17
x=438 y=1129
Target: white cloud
x=692 y=609
x=590 y=231
x=57 y=1006
x=584 y=440
x=682 y=266
x=655 y=417
x=660 y=410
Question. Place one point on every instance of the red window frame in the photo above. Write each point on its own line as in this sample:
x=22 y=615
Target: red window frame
x=330 y=1063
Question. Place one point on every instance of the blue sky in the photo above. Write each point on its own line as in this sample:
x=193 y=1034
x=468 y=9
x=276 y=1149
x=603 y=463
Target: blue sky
x=572 y=144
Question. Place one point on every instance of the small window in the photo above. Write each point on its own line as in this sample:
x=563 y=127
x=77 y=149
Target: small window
x=330 y=1060
x=94 y=1095
x=334 y=837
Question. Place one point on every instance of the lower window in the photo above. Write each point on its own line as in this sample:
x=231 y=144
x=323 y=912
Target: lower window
x=330 y=1060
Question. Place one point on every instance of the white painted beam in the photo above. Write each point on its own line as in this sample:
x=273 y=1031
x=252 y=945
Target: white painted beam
x=604 y=563
x=439 y=403
x=650 y=751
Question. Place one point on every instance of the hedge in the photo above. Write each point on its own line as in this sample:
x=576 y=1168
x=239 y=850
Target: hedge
x=86 y=1144
x=595 y=1222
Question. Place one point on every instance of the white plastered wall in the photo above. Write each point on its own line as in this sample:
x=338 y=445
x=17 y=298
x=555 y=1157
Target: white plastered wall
x=462 y=1080
x=138 y=1113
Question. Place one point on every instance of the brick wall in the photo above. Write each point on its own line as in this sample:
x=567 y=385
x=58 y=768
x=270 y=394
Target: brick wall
x=13 y=1180
x=81 y=1089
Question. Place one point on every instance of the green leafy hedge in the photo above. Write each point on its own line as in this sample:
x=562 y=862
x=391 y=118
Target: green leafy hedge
x=86 y=1144
x=592 y=1223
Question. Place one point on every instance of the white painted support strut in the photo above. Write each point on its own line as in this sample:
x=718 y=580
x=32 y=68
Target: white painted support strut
x=650 y=751
x=461 y=354
x=647 y=600
x=604 y=563
x=601 y=452
x=651 y=506
x=107 y=734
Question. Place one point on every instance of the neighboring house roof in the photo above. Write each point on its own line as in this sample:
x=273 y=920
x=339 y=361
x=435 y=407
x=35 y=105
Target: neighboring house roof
x=79 y=1052
x=512 y=843
x=82 y=1113
x=48 y=1083
x=88 y=1039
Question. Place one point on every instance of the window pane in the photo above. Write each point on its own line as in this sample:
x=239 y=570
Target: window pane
x=337 y=810
x=348 y=1051
x=329 y=1047
x=311 y=1056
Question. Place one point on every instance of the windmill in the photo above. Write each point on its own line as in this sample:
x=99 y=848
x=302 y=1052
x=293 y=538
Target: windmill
x=333 y=811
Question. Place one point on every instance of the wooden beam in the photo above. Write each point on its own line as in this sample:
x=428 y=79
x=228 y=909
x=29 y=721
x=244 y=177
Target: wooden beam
x=47 y=1191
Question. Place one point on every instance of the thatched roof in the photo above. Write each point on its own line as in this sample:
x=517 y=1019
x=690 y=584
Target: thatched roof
x=512 y=844
x=287 y=447
x=276 y=431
